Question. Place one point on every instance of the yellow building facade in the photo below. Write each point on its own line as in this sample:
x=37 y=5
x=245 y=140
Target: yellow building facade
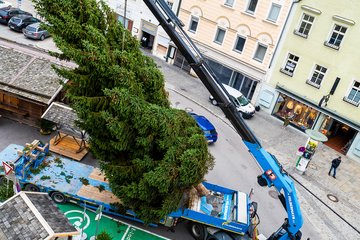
x=237 y=38
x=314 y=78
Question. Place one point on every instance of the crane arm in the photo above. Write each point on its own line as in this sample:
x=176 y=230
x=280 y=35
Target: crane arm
x=274 y=174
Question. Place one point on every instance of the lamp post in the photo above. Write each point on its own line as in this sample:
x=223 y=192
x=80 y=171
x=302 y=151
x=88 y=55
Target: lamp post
x=124 y=23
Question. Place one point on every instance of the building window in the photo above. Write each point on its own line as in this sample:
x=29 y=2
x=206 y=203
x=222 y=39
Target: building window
x=229 y=3
x=260 y=53
x=219 y=37
x=301 y=116
x=193 y=24
x=290 y=65
x=354 y=95
x=317 y=76
x=240 y=43
x=252 y=6
x=170 y=4
x=336 y=37
x=274 y=12
x=305 y=25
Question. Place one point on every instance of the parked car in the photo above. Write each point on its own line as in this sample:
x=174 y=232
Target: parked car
x=206 y=126
x=18 y=23
x=8 y=12
x=4 y=4
x=242 y=104
x=35 y=31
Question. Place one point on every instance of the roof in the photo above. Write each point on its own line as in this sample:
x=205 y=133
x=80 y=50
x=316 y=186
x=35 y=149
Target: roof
x=64 y=116
x=28 y=76
x=32 y=216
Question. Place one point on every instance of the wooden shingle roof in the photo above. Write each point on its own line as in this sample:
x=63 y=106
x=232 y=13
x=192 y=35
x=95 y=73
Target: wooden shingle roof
x=33 y=216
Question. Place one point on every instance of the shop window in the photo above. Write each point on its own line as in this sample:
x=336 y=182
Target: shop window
x=252 y=6
x=223 y=73
x=354 y=95
x=194 y=22
x=274 y=12
x=336 y=37
x=260 y=52
x=301 y=115
x=290 y=65
x=229 y=3
x=219 y=37
x=240 y=43
x=317 y=76
x=305 y=26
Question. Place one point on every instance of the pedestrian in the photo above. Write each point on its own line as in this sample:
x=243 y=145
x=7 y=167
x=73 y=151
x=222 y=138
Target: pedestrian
x=287 y=120
x=334 y=164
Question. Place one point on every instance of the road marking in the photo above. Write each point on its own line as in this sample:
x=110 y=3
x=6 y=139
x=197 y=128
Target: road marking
x=126 y=232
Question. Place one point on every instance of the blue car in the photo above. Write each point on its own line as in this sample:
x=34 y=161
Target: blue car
x=206 y=126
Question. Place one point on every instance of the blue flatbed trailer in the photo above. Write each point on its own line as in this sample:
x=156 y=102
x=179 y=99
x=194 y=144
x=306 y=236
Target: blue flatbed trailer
x=64 y=179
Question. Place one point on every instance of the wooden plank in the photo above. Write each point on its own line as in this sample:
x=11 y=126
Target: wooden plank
x=96 y=174
x=91 y=192
x=68 y=148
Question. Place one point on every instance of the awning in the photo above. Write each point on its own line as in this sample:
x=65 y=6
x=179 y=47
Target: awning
x=314 y=105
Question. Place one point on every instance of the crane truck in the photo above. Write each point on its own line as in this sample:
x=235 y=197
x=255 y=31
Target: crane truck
x=274 y=174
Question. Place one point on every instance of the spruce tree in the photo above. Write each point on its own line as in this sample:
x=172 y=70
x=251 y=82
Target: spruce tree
x=150 y=152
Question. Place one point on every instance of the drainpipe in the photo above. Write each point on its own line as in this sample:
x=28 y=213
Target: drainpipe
x=178 y=8
x=282 y=30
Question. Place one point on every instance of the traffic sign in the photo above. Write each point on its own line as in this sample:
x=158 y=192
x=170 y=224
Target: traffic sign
x=7 y=168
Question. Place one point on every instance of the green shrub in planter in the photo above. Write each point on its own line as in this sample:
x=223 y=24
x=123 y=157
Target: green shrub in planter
x=103 y=236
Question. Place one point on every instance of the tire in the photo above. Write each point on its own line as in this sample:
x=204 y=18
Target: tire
x=32 y=188
x=42 y=37
x=214 y=102
x=197 y=230
x=222 y=236
x=58 y=197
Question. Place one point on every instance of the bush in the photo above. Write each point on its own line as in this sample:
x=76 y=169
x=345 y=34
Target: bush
x=103 y=236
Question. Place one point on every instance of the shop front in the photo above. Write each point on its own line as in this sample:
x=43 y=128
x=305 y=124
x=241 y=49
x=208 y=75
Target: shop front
x=343 y=134
x=300 y=115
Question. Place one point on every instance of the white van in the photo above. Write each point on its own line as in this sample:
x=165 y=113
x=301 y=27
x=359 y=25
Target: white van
x=243 y=105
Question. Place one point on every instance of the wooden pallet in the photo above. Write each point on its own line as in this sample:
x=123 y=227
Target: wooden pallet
x=96 y=174
x=91 y=192
x=68 y=147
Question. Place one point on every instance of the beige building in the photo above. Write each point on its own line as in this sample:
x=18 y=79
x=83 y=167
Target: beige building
x=315 y=77
x=237 y=38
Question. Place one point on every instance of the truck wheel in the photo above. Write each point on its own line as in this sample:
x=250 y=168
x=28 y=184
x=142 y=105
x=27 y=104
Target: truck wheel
x=214 y=102
x=197 y=230
x=58 y=197
x=222 y=236
x=32 y=188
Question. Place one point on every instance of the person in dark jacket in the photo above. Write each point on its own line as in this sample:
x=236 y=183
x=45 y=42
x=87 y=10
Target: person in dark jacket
x=334 y=164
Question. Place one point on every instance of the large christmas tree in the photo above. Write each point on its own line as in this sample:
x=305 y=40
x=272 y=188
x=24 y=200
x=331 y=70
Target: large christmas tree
x=150 y=152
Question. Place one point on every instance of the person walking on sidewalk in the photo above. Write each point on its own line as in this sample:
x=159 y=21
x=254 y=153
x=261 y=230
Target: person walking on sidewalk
x=334 y=164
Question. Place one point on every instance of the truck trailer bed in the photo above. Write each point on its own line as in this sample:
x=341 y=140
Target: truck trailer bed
x=65 y=175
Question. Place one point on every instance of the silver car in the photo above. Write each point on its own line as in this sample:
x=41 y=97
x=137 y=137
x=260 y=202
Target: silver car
x=34 y=31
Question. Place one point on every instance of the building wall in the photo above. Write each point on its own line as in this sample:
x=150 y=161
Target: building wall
x=339 y=63
x=237 y=21
x=314 y=50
